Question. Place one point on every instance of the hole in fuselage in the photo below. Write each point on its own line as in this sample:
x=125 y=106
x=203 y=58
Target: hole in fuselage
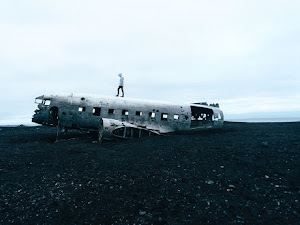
x=201 y=116
x=53 y=116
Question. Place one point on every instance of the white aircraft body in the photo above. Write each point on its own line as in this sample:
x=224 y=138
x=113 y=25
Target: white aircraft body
x=123 y=117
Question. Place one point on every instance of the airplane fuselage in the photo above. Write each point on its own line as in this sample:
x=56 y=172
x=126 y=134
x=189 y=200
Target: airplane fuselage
x=91 y=111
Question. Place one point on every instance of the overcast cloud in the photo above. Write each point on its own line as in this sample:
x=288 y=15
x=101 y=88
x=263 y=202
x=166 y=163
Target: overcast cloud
x=243 y=54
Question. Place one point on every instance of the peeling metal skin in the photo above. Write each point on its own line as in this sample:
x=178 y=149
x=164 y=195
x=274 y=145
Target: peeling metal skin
x=123 y=117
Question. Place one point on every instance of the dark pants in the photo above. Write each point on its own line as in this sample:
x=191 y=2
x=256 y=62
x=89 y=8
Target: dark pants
x=121 y=87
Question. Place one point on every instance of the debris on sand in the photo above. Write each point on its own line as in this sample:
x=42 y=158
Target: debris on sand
x=209 y=182
x=142 y=213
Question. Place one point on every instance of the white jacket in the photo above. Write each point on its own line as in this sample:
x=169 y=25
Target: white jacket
x=121 y=81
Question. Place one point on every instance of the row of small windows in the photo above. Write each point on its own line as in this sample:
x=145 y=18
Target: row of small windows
x=97 y=112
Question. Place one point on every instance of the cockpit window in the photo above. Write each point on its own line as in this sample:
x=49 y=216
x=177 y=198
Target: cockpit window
x=38 y=101
x=47 y=102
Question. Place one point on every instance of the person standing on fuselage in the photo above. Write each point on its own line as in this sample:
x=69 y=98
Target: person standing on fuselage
x=121 y=85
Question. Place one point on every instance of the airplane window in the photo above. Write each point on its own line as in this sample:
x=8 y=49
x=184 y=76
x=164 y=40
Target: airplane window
x=81 y=109
x=47 y=102
x=38 y=101
x=111 y=111
x=152 y=114
x=125 y=112
x=164 y=116
x=139 y=113
x=176 y=117
x=96 y=111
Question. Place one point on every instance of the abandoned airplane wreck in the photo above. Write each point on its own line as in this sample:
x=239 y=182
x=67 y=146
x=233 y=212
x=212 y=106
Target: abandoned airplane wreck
x=123 y=117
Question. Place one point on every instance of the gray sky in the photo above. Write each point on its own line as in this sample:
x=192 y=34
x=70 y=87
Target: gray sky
x=243 y=54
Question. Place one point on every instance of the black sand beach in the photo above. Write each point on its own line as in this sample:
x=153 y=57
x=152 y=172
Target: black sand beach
x=241 y=174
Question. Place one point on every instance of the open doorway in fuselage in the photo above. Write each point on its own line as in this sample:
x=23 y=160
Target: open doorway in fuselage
x=201 y=116
x=53 y=116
